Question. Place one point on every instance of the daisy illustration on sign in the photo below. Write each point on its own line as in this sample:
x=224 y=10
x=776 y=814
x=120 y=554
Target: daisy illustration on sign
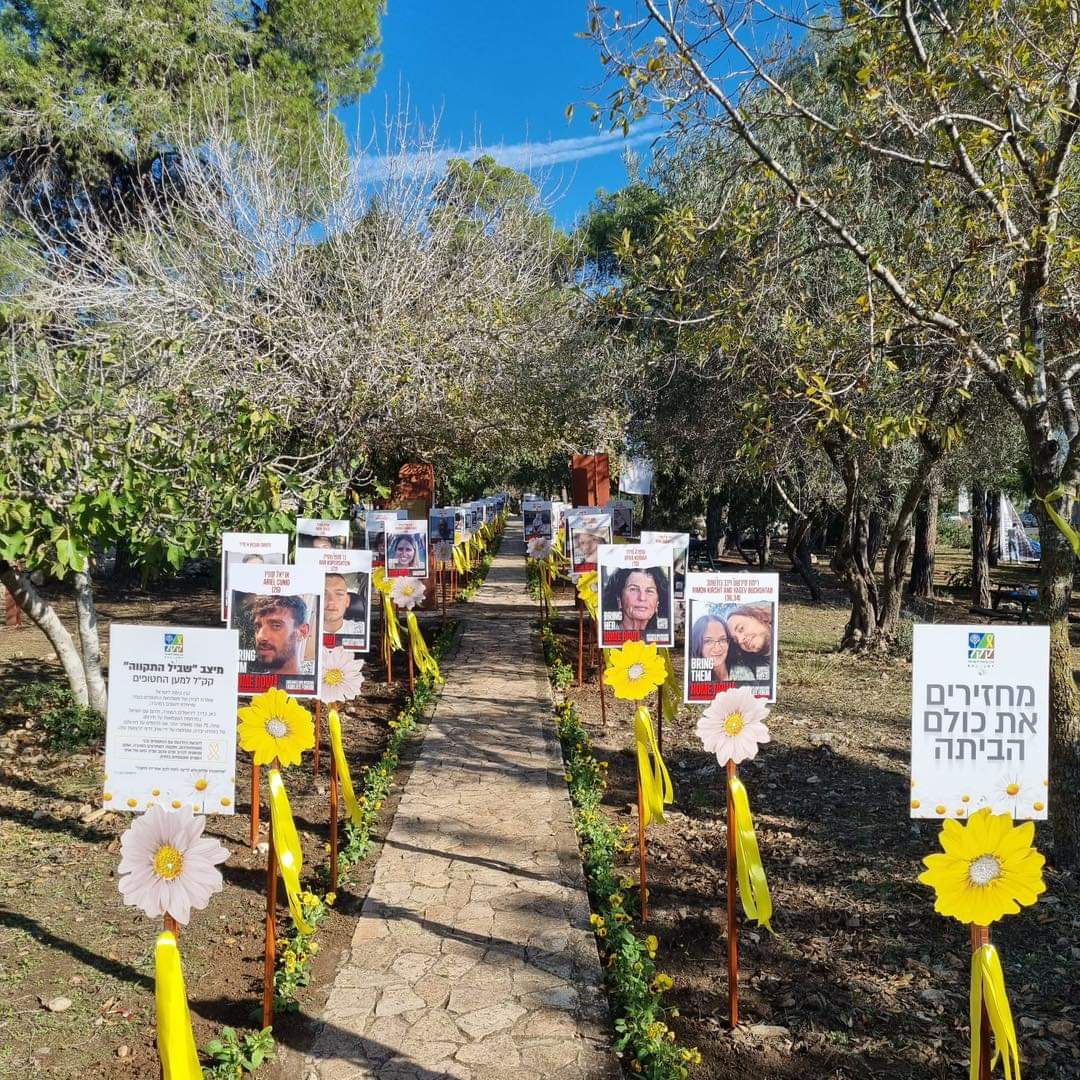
x=276 y=725
x=167 y=867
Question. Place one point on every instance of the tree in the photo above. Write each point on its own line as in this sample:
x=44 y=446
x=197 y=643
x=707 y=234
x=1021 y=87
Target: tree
x=978 y=110
x=95 y=96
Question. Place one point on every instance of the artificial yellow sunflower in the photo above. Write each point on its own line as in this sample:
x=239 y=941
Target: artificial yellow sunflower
x=276 y=725
x=634 y=671
x=988 y=869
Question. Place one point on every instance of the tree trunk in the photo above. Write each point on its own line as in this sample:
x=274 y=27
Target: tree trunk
x=716 y=524
x=980 y=567
x=48 y=622
x=851 y=564
x=764 y=547
x=90 y=641
x=993 y=519
x=798 y=551
x=1055 y=592
x=922 y=562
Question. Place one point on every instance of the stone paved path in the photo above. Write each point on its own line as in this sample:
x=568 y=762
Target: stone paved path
x=473 y=956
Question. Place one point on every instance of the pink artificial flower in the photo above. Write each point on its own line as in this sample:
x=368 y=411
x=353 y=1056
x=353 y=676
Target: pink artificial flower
x=732 y=726
x=167 y=866
x=342 y=675
x=407 y=592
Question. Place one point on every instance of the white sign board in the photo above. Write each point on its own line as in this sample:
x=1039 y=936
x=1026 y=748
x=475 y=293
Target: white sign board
x=346 y=596
x=637 y=596
x=980 y=714
x=322 y=533
x=681 y=543
x=171 y=730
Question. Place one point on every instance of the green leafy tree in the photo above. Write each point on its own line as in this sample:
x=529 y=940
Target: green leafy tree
x=94 y=94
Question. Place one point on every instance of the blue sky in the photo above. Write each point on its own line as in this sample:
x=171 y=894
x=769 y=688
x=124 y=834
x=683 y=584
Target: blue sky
x=501 y=73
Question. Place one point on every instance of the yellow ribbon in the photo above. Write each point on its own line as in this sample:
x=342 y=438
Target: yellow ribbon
x=753 y=887
x=586 y=589
x=656 y=789
x=425 y=662
x=390 y=621
x=175 y=1040
x=1065 y=528
x=458 y=555
x=352 y=807
x=290 y=860
x=671 y=690
x=988 y=989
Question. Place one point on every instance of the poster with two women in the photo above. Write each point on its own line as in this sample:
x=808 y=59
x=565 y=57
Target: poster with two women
x=731 y=635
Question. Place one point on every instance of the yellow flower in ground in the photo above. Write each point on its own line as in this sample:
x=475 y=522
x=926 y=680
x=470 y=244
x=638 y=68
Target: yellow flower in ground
x=276 y=725
x=634 y=671
x=989 y=868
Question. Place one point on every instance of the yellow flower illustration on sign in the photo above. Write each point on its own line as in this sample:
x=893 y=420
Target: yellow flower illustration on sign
x=989 y=868
x=276 y=725
x=634 y=671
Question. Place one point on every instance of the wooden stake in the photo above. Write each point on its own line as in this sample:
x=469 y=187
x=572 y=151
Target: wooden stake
x=270 y=943
x=643 y=875
x=172 y=926
x=603 y=702
x=732 y=917
x=318 y=738
x=580 y=642
x=333 y=820
x=980 y=936
x=254 y=805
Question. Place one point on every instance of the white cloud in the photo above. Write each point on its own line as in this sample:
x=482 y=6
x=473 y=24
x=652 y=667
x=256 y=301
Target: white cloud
x=526 y=156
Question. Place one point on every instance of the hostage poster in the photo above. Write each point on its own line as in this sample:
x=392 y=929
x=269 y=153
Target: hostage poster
x=731 y=635
x=278 y=615
x=637 y=599
x=346 y=596
x=681 y=544
x=407 y=548
x=249 y=549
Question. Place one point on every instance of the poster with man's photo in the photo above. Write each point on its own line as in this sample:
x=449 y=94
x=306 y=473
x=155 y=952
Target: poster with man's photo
x=407 y=548
x=622 y=518
x=278 y=614
x=731 y=635
x=536 y=519
x=249 y=549
x=587 y=532
x=375 y=522
x=637 y=599
x=441 y=524
x=322 y=533
x=346 y=596
x=681 y=543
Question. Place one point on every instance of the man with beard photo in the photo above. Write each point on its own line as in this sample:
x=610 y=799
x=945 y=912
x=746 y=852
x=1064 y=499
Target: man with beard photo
x=281 y=632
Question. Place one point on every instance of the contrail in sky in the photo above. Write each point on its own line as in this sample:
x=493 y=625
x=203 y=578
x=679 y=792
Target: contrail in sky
x=524 y=156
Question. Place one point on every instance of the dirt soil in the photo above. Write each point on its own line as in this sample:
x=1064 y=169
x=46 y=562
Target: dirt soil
x=64 y=931
x=862 y=980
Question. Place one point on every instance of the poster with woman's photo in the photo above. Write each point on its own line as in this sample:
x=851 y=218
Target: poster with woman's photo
x=278 y=613
x=587 y=532
x=407 y=549
x=441 y=524
x=375 y=522
x=681 y=543
x=731 y=634
x=622 y=518
x=637 y=600
x=322 y=533
x=249 y=549
x=346 y=596
x=536 y=519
